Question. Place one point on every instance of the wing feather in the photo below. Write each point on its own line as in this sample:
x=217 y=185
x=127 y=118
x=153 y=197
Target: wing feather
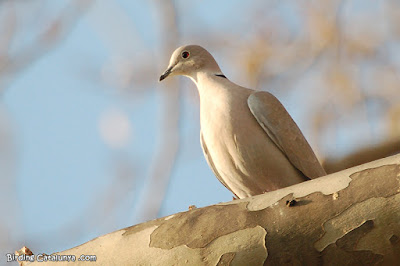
x=284 y=132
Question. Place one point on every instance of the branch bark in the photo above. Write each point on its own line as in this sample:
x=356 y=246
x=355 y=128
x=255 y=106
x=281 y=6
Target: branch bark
x=346 y=218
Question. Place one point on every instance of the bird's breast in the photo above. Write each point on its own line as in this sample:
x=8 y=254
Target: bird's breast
x=236 y=143
x=245 y=157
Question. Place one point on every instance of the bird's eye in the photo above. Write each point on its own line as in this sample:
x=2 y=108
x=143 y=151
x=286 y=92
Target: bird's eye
x=185 y=54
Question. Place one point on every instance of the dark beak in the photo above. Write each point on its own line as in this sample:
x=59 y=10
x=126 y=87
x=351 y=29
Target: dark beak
x=166 y=73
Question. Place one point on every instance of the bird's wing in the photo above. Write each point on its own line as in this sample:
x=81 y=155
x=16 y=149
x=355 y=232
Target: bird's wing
x=280 y=127
x=211 y=163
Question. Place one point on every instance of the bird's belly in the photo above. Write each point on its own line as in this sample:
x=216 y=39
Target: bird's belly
x=247 y=159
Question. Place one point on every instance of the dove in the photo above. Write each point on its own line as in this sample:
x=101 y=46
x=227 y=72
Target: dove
x=249 y=140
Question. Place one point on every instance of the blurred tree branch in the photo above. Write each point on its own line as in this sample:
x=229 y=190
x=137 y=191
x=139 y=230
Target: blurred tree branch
x=11 y=64
x=169 y=136
x=364 y=155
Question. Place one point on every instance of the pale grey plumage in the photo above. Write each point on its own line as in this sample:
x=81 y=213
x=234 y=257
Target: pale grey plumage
x=249 y=140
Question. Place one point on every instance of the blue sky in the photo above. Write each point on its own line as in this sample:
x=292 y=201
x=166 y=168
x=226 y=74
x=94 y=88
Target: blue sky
x=54 y=107
x=61 y=160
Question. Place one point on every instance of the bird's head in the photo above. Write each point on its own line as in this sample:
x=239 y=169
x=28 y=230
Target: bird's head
x=188 y=60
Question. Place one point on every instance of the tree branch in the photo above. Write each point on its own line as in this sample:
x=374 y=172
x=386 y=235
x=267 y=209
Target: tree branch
x=349 y=217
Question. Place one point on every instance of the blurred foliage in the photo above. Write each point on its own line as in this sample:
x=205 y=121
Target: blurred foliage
x=339 y=60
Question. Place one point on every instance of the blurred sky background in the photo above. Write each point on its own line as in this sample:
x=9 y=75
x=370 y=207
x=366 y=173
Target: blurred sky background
x=90 y=142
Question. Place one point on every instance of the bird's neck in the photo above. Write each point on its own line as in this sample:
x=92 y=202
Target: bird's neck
x=213 y=88
x=205 y=76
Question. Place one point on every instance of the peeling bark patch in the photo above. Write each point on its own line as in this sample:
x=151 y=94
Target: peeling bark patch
x=246 y=245
x=199 y=227
x=344 y=251
x=344 y=223
x=210 y=233
x=349 y=241
x=329 y=184
x=356 y=215
x=226 y=259
x=250 y=250
x=243 y=247
x=387 y=173
x=362 y=204
x=143 y=226
x=288 y=240
x=326 y=184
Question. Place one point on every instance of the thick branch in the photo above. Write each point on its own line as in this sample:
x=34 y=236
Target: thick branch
x=349 y=217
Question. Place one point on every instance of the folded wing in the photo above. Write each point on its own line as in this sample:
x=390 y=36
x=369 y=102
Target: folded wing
x=284 y=132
